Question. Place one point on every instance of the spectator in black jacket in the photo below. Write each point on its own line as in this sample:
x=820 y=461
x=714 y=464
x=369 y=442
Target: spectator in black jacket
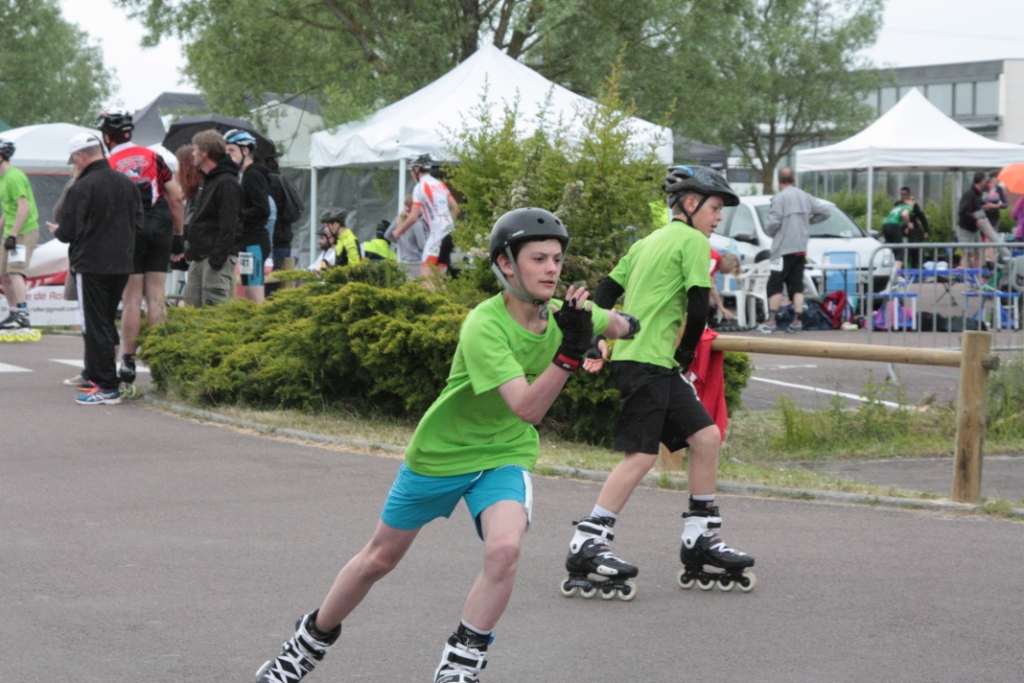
x=254 y=238
x=100 y=217
x=213 y=224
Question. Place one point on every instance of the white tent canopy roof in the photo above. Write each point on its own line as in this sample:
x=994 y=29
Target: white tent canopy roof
x=913 y=135
x=43 y=148
x=419 y=123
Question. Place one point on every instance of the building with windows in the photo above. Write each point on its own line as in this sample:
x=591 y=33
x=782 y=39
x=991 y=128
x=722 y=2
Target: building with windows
x=985 y=97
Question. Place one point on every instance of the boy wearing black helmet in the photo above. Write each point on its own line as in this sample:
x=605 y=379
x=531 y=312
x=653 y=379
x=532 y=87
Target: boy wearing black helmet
x=665 y=278
x=477 y=442
x=346 y=246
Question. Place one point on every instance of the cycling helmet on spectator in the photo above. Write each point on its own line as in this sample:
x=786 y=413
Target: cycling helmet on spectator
x=114 y=120
x=700 y=180
x=6 y=149
x=515 y=227
x=242 y=138
x=422 y=161
x=333 y=215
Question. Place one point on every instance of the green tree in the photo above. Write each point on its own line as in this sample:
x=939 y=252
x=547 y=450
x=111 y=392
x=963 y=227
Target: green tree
x=792 y=75
x=49 y=72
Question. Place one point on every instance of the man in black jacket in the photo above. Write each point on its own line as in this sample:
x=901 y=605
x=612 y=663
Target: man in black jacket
x=919 y=226
x=214 y=223
x=100 y=217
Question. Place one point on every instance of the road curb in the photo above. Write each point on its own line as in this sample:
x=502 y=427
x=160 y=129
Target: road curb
x=650 y=481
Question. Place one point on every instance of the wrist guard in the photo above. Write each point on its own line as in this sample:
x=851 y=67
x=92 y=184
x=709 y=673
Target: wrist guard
x=634 y=324
x=594 y=351
x=11 y=243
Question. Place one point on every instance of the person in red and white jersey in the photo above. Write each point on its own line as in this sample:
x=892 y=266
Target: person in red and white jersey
x=162 y=237
x=432 y=200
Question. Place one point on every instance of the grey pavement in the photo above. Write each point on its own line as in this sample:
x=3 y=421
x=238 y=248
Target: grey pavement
x=139 y=546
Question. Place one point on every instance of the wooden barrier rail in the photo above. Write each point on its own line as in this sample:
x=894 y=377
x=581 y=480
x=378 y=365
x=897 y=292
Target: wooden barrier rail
x=974 y=361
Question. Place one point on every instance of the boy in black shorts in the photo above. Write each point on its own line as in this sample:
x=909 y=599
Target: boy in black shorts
x=664 y=276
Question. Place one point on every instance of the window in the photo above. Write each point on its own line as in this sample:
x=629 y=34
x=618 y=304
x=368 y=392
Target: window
x=941 y=96
x=888 y=99
x=986 y=98
x=723 y=227
x=964 y=99
x=743 y=223
x=871 y=99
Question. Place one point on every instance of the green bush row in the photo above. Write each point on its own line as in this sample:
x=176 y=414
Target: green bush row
x=361 y=337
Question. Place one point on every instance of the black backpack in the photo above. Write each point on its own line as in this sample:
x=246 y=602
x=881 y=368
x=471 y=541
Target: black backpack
x=292 y=206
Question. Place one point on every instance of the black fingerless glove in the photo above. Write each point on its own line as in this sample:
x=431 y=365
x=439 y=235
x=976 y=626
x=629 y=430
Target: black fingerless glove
x=577 y=328
x=684 y=357
x=178 y=245
x=11 y=243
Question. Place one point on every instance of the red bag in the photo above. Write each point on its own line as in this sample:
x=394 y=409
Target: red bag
x=838 y=307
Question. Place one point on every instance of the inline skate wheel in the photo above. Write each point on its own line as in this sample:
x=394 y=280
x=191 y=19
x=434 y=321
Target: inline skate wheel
x=22 y=335
x=35 y=335
x=567 y=590
x=629 y=592
x=608 y=593
x=726 y=584
x=706 y=584
x=685 y=582
x=588 y=592
x=747 y=582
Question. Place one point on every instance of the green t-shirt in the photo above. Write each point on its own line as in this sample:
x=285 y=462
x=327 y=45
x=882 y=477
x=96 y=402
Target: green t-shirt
x=656 y=273
x=895 y=216
x=14 y=185
x=470 y=428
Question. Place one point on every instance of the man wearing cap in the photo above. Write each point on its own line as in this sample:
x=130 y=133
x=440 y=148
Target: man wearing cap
x=214 y=223
x=100 y=218
x=19 y=225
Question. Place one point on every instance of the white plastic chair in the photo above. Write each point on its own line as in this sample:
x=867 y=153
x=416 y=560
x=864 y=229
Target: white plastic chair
x=752 y=287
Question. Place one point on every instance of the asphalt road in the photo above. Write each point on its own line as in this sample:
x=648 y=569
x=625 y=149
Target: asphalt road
x=138 y=546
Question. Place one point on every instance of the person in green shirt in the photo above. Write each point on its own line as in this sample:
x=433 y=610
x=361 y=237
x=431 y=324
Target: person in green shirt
x=476 y=442
x=346 y=246
x=896 y=229
x=665 y=278
x=379 y=249
x=19 y=223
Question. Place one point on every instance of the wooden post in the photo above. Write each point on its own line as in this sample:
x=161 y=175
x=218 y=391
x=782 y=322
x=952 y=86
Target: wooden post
x=970 y=423
x=669 y=461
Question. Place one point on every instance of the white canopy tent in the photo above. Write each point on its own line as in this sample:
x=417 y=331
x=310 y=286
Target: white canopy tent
x=43 y=148
x=420 y=123
x=912 y=136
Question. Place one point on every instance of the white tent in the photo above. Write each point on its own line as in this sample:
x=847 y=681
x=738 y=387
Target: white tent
x=418 y=123
x=912 y=136
x=44 y=147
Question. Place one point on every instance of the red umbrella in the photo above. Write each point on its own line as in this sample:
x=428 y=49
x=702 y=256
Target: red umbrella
x=1013 y=177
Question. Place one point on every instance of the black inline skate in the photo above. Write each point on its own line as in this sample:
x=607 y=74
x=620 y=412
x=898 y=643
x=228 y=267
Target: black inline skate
x=464 y=656
x=589 y=555
x=299 y=654
x=703 y=548
x=126 y=375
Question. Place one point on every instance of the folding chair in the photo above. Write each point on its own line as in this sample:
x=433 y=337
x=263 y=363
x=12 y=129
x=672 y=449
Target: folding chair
x=752 y=287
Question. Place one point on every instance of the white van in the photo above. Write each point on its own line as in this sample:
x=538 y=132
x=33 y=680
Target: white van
x=742 y=231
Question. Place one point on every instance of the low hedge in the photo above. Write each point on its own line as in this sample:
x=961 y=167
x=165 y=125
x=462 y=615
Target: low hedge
x=362 y=337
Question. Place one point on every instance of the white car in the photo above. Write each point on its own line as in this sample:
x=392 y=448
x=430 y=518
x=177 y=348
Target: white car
x=742 y=231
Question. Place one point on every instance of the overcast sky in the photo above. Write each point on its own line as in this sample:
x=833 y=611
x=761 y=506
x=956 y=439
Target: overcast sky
x=915 y=32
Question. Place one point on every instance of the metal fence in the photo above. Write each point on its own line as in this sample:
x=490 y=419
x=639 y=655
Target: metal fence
x=941 y=290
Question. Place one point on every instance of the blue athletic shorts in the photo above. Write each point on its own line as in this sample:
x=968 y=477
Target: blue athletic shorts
x=415 y=499
x=256 y=278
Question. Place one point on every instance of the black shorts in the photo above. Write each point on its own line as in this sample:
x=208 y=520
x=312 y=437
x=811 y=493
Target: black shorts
x=444 y=256
x=153 y=243
x=791 y=275
x=656 y=406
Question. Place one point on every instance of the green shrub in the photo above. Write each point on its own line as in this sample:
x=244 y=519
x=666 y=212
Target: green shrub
x=1005 y=405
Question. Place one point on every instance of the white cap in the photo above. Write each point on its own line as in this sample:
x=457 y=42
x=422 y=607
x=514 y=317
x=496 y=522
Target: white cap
x=80 y=142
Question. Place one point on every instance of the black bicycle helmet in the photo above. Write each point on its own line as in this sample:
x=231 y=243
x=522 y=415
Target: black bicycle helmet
x=521 y=225
x=333 y=215
x=6 y=149
x=422 y=161
x=683 y=180
x=115 y=121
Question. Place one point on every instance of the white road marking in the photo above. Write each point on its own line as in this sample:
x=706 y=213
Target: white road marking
x=4 y=367
x=852 y=397
x=784 y=367
x=76 y=363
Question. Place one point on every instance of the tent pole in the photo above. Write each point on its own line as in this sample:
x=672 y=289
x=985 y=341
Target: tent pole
x=871 y=182
x=401 y=185
x=312 y=215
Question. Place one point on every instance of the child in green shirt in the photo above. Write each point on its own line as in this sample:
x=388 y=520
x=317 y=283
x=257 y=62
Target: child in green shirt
x=476 y=442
